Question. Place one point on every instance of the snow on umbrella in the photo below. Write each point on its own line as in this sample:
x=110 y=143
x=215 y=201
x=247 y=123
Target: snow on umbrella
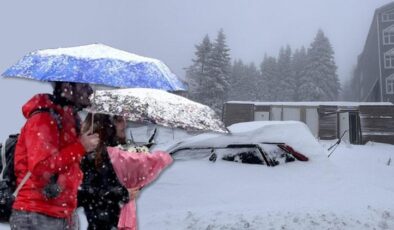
x=158 y=107
x=96 y=64
x=135 y=170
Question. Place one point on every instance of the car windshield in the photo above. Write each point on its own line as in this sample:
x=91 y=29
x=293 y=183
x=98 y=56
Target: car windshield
x=191 y=154
x=276 y=154
x=242 y=155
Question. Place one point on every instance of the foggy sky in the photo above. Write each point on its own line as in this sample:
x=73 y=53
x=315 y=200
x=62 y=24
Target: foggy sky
x=169 y=29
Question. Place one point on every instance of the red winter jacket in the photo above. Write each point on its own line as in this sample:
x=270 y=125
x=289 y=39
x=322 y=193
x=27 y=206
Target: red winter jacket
x=44 y=150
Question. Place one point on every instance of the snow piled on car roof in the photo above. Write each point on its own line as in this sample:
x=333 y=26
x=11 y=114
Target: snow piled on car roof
x=294 y=133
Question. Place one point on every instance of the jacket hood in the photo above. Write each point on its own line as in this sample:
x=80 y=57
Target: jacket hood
x=39 y=101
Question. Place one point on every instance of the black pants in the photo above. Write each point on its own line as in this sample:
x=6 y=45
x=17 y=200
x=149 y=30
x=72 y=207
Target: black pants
x=101 y=219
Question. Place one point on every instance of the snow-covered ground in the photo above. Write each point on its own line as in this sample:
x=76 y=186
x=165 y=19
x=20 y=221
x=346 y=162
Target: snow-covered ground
x=353 y=189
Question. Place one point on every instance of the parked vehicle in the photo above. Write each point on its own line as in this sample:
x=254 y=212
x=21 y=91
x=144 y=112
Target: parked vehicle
x=267 y=143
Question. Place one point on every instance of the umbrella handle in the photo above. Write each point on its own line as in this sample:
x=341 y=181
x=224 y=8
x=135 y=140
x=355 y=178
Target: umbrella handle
x=93 y=99
x=132 y=137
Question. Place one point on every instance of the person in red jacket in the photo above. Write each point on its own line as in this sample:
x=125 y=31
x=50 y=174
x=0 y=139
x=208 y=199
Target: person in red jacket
x=50 y=150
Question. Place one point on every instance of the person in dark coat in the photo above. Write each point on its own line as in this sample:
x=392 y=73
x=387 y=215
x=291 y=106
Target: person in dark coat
x=101 y=194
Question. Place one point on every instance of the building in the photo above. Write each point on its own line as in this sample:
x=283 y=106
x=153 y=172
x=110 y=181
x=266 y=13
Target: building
x=374 y=73
x=355 y=122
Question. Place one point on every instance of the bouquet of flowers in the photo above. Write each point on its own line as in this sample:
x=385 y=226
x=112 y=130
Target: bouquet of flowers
x=135 y=170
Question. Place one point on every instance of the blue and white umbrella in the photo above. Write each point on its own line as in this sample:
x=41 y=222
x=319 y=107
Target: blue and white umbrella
x=96 y=64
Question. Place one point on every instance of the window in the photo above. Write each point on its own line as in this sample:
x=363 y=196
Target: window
x=389 y=59
x=191 y=154
x=276 y=154
x=242 y=155
x=248 y=155
x=388 y=35
x=388 y=16
x=390 y=84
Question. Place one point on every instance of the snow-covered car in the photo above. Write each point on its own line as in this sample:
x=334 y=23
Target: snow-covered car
x=260 y=142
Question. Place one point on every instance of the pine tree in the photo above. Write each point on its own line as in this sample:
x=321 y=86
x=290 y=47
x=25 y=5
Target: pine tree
x=202 y=53
x=237 y=80
x=244 y=82
x=269 y=78
x=320 y=81
x=347 y=94
x=218 y=71
x=351 y=88
x=298 y=68
x=254 y=86
x=196 y=74
x=285 y=75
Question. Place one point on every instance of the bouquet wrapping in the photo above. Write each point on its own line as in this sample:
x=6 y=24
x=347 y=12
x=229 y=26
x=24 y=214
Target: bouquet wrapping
x=135 y=170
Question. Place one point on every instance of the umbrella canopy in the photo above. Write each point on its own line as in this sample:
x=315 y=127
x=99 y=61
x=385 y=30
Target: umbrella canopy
x=96 y=64
x=158 y=107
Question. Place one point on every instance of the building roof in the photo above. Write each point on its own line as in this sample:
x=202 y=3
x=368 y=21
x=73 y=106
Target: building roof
x=312 y=103
x=388 y=6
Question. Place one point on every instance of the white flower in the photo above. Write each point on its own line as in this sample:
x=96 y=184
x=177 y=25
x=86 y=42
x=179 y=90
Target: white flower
x=138 y=149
